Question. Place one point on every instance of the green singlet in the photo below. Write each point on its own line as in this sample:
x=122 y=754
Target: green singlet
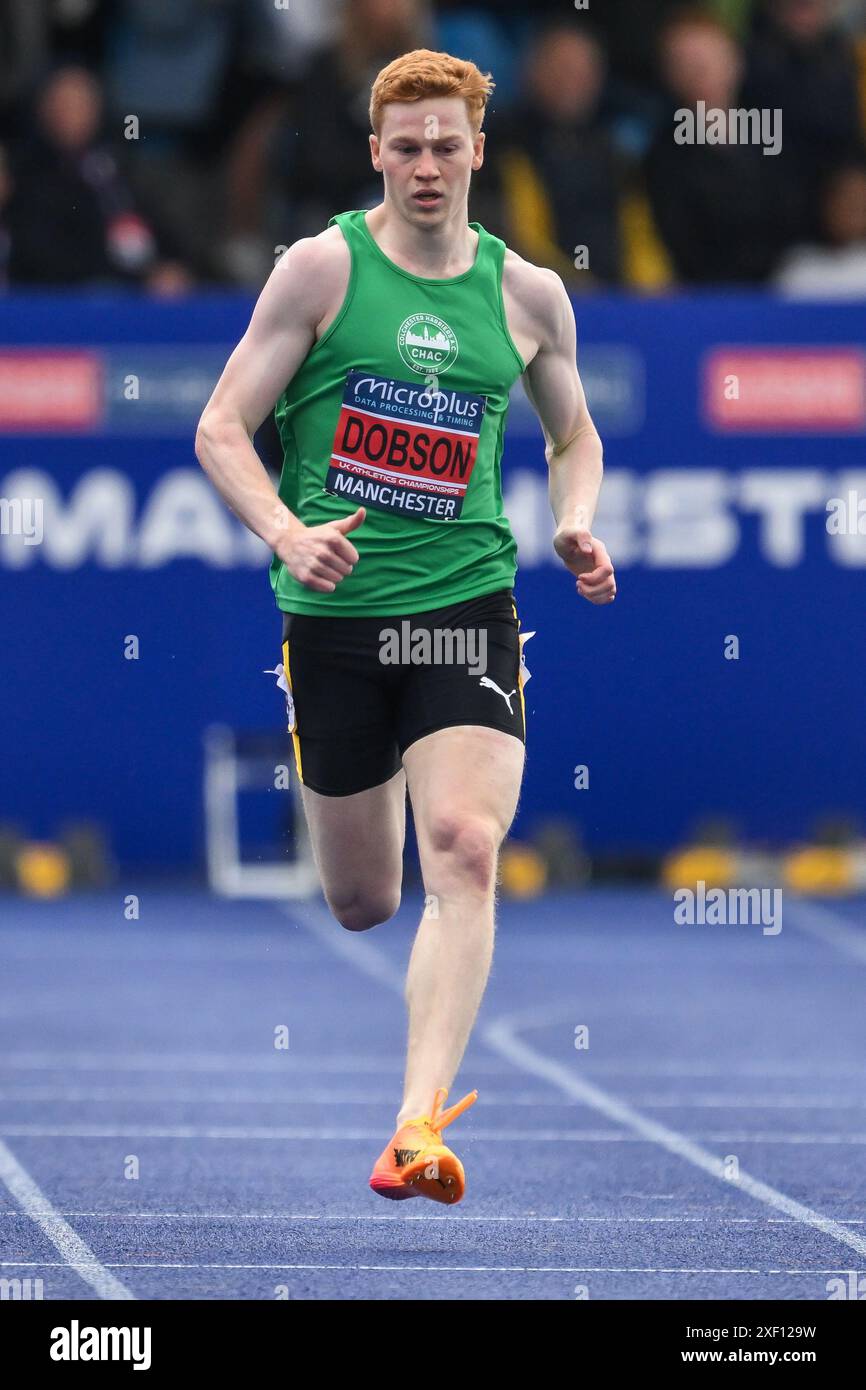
x=400 y=407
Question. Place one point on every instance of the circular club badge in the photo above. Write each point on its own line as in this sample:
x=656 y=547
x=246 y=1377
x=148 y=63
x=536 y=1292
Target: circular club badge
x=426 y=344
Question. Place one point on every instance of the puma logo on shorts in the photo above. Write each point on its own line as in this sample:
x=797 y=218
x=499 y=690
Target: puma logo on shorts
x=355 y=714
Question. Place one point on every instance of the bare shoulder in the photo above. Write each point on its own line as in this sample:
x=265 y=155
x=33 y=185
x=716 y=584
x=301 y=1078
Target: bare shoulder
x=310 y=275
x=325 y=254
x=527 y=281
x=536 y=296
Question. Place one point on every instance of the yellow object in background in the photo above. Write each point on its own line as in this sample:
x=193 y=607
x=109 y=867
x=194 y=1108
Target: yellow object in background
x=43 y=870
x=820 y=869
x=646 y=263
x=715 y=867
x=522 y=870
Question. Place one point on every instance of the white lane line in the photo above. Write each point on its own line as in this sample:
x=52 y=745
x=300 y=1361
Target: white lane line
x=716 y=1101
x=241 y=1132
x=447 y=1269
x=143 y=953
x=502 y=1037
x=289 y=1133
x=272 y=1062
x=171 y=1095
x=828 y=927
x=76 y=1254
x=482 y=1066
x=739 y=1070
x=289 y=1095
x=366 y=1216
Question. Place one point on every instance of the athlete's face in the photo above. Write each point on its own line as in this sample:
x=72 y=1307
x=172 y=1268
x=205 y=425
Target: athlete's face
x=427 y=151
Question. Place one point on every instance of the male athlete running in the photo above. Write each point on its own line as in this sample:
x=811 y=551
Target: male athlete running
x=389 y=344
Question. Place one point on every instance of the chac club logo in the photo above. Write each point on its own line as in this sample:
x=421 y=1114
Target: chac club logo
x=426 y=344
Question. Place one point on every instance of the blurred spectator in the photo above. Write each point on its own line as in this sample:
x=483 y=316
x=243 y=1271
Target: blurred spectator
x=250 y=128
x=71 y=219
x=835 y=269
x=559 y=168
x=167 y=66
x=325 y=159
x=280 y=42
x=76 y=28
x=510 y=9
x=5 y=193
x=852 y=13
x=802 y=61
x=273 y=53
x=170 y=280
x=22 y=49
x=631 y=31
x=724 y=211
x=481 y=39
x=736 y=15
x=35 y=32
x=166 y=62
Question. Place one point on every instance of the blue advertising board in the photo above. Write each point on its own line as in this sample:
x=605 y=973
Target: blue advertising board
x=734 y=430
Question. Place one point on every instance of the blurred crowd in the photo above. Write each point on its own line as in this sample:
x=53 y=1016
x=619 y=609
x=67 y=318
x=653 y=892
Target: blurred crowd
x=170 y=145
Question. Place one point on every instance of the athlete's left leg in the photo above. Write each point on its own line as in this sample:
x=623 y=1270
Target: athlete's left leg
x=464 y=784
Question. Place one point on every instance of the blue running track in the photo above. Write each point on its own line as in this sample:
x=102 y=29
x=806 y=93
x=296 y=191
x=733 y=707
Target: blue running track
x=154 y=1143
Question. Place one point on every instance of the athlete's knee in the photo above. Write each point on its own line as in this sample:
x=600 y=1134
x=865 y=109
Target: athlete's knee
x=466 y=848
x=362 y=911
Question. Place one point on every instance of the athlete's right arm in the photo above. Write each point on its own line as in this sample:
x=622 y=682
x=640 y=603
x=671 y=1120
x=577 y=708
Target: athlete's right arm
x=280 y=334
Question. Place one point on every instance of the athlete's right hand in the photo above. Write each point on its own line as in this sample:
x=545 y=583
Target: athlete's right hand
x=320 y=556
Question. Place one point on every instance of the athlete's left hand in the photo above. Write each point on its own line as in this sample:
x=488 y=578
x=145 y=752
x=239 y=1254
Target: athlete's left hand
x=586 y=556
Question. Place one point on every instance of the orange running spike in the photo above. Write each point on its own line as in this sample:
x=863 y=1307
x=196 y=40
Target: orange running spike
x=417 y=1164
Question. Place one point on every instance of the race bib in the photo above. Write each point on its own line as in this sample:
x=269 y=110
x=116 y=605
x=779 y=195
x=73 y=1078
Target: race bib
x=402 y=447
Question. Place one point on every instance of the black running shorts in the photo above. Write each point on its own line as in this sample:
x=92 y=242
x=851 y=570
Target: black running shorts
x=361 y=690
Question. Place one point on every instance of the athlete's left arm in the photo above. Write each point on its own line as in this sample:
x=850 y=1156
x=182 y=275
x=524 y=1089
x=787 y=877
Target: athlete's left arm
x=573 y=447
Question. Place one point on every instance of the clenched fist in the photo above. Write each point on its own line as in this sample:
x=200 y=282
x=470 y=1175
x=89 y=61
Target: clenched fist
x=587 y=557
x=320 y=556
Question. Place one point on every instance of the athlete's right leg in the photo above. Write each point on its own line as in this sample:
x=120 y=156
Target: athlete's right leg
x=348 y=763
x=358 y=847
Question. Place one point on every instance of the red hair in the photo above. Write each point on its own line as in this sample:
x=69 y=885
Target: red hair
x=423 y=73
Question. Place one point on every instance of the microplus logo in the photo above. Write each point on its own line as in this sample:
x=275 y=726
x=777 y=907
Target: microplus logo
x=77 y=1343
x=732 y=906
